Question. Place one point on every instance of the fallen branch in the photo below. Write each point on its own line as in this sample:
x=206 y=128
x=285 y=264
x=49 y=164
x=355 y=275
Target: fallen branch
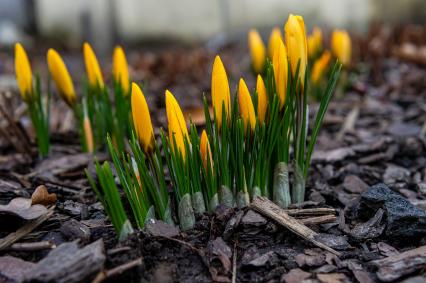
x=103 y=275
x=317 y=220
x=310 y=211
x=234 y=264
x=30 y=247
x=24 y=230
x=270 y=209
x=349 y=123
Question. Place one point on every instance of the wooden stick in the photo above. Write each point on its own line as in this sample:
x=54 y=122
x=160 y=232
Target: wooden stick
x=270 y=209
x=24 y=230
x=105 y=274
x=310 y=211
x=30 y=247
x=234 y=264
x=317 y=220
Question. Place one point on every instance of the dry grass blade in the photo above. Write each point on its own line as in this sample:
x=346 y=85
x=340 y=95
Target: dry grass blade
x=24 y=230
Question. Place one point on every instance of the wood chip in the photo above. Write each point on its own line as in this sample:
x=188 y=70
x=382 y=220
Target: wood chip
x=396 y=266
x=24 y=230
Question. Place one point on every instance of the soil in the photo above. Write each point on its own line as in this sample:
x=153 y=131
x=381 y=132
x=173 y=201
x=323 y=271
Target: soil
x=383 y=142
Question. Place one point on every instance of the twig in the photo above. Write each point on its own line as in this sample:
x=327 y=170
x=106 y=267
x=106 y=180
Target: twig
x=105 y=274
x=30 y=247
x=349 y=123
x=310 y=211
x=24 y=230
x=118 y=250
x=270 y=209
x=21 y=141
x=234 y=264
x=318 y=220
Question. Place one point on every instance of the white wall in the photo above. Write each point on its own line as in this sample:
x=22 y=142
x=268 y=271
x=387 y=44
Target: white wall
x=200 y=19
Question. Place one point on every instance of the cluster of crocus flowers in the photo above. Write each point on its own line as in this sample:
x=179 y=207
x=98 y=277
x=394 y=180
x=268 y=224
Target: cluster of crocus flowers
x=244 y=150
x=38 y=108
x=341 y=46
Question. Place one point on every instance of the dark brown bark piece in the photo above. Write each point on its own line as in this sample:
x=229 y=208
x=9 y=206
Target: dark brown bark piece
x=68 y=264
x=396 y=266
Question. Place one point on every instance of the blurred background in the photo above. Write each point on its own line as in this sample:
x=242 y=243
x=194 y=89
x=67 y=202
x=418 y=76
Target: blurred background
x=106 y=22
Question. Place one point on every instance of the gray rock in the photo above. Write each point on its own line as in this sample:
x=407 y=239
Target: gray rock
x=403 y=219
x=68 y=264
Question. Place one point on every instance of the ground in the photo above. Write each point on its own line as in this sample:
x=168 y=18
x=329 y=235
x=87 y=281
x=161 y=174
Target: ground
x=369 y=168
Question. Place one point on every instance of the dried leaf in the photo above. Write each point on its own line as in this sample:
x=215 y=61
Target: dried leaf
x=22 y=208
x=42 y=196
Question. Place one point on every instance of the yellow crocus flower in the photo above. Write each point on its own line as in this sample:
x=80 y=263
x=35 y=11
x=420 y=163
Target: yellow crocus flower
x=23 y=72
x=314 y=42
x=257 y=51
x=246 y=106
x=142 y=119
x=220 y=91
x=120 y=69
x=176 y=123
x=341 y=46
x=274 y=39
x=93 y=70
x=205 y=150
x=295 y=37
x=61 y=77
x=262 y=99
x=320 y=67
x=280 y=64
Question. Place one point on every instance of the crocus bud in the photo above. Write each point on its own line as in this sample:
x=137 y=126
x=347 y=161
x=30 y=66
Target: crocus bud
x=341 y=46
x=120 y=69
x=88 y=134
x=257 y=51
x=295 y=38
x=246 y=107
x=142 y=119
x=220 y=91
x=23 y=72
x=280 y=65
x=274 y=40
x=61 y=77
x=262 y=99
x=320 y=66
x=176 y=124
x=93 y=70
x=205 y=151
x=314 y=42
